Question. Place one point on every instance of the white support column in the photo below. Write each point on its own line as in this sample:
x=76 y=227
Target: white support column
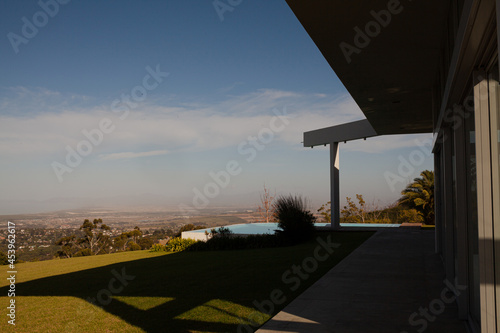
x=334 y=186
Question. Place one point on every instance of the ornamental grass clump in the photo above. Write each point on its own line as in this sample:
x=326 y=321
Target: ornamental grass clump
x=294 y=220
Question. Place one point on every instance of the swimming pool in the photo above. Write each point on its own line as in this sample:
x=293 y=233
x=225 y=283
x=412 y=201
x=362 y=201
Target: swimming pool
x=269 y=228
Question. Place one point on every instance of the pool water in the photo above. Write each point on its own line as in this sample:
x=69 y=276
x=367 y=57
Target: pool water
x=269 y=228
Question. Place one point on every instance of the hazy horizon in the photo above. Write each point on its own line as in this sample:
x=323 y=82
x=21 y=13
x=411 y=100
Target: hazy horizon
x=149 y=203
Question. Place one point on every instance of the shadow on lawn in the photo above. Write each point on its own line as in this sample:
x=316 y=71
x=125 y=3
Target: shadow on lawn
x=164 y=276
x=189 y=281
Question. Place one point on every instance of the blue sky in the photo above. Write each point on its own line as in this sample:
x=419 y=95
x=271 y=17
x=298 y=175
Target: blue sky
x=88 y=67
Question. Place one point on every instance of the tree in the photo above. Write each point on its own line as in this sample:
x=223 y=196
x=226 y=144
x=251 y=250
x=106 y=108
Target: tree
x=326 y=211
x=70 y=245
x=127 y=239
x=3 y=259
x=120 y=242
x=94 y=241
x=95 y=236
x=188 y=227
x=136 y=233
x=419 y=195
x=133 y=246
x=362 y=208
x=351 y=213
x=378 y=214
x=145 y=243
x=363 y=212
x=267 y=208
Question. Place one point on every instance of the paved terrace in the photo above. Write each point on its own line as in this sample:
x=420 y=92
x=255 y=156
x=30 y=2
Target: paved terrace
x=376 y=289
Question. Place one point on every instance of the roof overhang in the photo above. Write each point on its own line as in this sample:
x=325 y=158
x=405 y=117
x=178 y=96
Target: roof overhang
x=390 y=74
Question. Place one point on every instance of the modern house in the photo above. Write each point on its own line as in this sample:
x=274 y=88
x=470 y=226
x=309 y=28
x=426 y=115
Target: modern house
x=416 y=66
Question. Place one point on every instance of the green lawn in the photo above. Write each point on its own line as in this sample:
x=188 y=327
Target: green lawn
x=182 y=292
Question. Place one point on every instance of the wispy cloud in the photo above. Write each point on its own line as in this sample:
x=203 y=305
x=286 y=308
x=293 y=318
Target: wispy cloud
x=25 y=102
x=227 y=89
x=157 y=129
x=129 y=155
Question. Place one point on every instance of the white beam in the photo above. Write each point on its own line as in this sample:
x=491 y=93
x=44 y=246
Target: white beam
x=346 y=132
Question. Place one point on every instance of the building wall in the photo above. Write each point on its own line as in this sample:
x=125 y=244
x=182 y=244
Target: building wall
x=467 y=138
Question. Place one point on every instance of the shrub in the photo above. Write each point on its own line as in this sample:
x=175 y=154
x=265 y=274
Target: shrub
x=350 y=219
x=296 y=222
x=384 y=220
x=83 y=253
x=157 y=248
x=240 y=243
x=221 y=232
x=145 y=243
x=410 y=216
x=133 y=246
x=178 y=244
x=3 y=259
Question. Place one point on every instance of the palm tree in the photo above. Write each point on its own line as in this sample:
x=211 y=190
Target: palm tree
x=419 y=195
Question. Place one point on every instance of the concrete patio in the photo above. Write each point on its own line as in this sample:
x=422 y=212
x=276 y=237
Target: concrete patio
x=394 y=282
